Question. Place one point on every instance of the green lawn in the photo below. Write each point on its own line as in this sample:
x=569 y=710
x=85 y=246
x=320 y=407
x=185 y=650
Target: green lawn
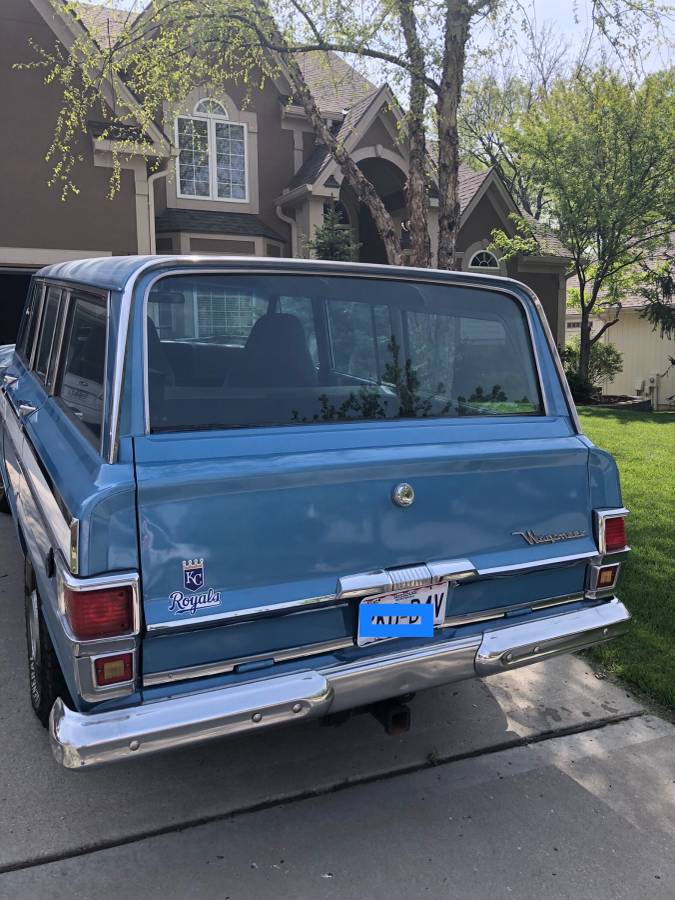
x=643 y=446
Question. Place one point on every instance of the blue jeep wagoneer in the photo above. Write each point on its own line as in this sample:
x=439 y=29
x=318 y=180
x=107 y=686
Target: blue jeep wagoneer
x=219 y=468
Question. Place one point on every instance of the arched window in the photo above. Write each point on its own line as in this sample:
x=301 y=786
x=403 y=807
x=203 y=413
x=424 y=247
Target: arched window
x=484 y=260
x=212 y=154
x=211 y=107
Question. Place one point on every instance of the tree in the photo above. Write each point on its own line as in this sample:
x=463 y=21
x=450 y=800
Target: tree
x=606 y=362
x=658 y=289
x=601 y=147
x=174 y=45
x=333 y=240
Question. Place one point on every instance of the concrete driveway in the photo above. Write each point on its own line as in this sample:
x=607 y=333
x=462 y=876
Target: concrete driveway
x=548 y=782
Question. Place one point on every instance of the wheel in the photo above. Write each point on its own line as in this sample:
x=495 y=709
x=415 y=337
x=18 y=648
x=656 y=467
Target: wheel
x=44 y=672
x=4 y=502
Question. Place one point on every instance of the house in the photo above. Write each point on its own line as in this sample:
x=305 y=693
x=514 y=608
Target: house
x=277 y=182
x=647 y=371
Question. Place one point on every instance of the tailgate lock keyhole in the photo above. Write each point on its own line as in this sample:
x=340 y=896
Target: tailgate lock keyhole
x=403 y=494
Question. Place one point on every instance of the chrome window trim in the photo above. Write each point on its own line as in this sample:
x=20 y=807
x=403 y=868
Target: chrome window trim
x=251 y=270
x=600 y=517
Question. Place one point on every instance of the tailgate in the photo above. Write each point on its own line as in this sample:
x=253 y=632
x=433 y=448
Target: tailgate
x=224 y=534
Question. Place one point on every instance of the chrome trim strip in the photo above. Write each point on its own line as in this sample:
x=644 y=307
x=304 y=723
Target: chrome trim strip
x=84 y=739
x=600 y=517
x=412 y=275
x=519 y=645
x=368 y=583
x=226 y=666
x=304 y=652
x=547 y=563
x=500 y=612
x=235 y=616
x=46 y=503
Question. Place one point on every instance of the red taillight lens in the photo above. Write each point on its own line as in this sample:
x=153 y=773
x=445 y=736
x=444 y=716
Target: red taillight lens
x=615 y=534
x=113 y=669
x=98 y=614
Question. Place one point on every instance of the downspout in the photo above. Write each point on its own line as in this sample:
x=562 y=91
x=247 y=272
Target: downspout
x=161 y=173
x=294 y=229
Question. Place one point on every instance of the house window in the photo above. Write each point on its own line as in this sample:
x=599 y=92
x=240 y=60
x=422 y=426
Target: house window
x=212 y=154
x=484 y=260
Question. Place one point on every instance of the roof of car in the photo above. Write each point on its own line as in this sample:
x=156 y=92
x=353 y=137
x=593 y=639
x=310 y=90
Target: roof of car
x=114 y=272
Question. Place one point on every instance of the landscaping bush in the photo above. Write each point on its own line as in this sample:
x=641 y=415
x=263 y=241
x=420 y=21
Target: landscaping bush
x=605 y=362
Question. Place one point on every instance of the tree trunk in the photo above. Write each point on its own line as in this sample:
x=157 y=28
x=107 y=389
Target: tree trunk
x=457 y=19
x=584 y=344
x=416 y=188
x=363 y=189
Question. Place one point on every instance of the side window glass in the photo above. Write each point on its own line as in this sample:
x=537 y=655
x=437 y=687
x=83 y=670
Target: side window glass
x=50 y=317
x=301 y=308
x=353 y=330
x=83 y=368
x=27 y=318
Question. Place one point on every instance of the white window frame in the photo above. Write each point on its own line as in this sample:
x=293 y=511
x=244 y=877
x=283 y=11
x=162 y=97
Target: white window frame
x=476 y=253
x=211 y=120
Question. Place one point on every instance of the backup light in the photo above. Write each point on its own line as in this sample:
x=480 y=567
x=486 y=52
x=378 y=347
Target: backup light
x=106 y=612
x=113 y=669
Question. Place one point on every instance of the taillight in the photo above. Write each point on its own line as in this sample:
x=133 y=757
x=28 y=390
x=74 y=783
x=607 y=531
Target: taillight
x=615 y=534
x=106 y=612
x=113 y=669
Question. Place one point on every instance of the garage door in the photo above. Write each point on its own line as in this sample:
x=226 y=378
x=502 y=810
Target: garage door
x=13 y=288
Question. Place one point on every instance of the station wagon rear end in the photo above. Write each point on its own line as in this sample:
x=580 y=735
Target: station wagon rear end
x=252 y=492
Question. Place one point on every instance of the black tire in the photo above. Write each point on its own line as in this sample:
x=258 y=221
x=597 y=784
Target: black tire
x=4 y=502
x=45 y=677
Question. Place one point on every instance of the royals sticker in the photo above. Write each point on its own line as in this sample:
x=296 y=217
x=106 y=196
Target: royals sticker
x=193 y=581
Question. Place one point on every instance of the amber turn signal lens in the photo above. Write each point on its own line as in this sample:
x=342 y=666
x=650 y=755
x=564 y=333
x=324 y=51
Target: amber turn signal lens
x=607 y=576
x=113 y=669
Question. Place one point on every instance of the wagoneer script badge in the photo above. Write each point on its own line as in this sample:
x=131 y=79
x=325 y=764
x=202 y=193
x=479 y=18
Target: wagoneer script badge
x=531 y=538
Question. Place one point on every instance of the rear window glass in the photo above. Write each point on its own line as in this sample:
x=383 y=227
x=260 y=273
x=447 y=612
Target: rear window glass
x=249 y=350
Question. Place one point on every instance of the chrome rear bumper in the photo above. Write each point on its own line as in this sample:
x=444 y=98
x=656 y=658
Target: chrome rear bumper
x=80 y=739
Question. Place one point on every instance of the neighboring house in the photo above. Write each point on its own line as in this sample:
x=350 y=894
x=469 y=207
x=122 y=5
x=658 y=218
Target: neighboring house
x=646 y=370
x=269 y=202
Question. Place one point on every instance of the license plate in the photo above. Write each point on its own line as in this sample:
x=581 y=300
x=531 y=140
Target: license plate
x=436 y=594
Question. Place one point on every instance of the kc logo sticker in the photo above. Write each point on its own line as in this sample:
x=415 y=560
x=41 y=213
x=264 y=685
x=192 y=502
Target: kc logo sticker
x=193 y=574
